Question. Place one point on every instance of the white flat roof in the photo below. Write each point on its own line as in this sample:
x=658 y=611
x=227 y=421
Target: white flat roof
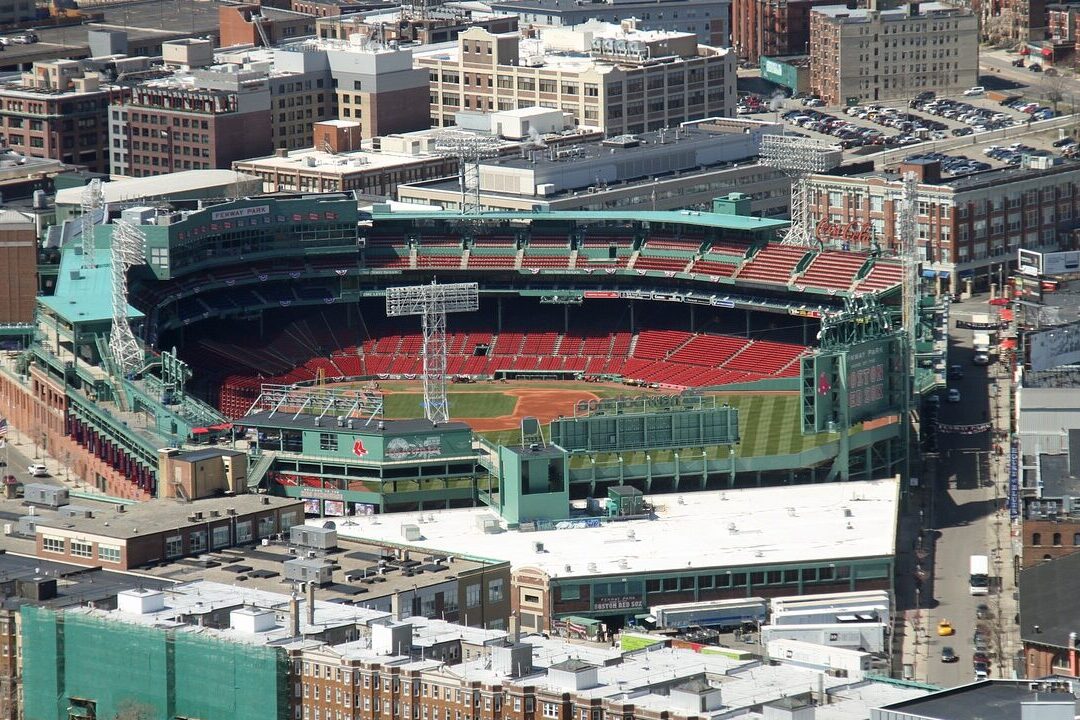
x=158 y=185
x=343 y=163
x=762 y=526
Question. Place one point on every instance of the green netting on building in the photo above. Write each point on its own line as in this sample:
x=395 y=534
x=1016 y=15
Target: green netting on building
x=76 y=665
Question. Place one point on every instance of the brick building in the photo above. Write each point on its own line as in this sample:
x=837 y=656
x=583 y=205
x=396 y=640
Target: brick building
x=708 y=19
x=1048 y=618
x=771 y=27
x=877 y=54
x=58 y=110
x=339 y=162
x=647 y=81
x=159 y=531
x=255 y=25
x=969 y=227
x=18 y=267
x=397 y=26
x=202 y=117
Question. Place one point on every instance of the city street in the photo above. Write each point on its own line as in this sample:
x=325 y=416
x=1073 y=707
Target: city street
x=964 y=515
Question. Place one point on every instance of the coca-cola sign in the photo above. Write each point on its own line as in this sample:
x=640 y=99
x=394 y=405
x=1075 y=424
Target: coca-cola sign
x=851 y=232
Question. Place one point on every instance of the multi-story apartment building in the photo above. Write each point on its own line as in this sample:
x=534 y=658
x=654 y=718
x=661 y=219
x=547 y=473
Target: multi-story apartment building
x=18 y=267
x=376 y=86
x=259 y=25
x=969 y=227
x=339 y=162
x=874 y=54
x=211 y=111
x=708 y=19
x=771 y=27
x=300 y=87
x=197 y=121
x=436 y=26
x=59 y=110
x=614 y=77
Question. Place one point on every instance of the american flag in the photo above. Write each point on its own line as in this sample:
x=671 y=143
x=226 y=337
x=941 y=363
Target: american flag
x=3 y=428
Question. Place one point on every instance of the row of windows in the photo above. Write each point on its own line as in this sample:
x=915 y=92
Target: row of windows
x=1055 y=539
x=79 y=548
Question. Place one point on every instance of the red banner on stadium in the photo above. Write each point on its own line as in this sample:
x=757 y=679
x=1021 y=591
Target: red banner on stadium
x=602 y=294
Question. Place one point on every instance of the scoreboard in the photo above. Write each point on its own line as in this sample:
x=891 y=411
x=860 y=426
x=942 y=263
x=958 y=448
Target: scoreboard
x=866 y=378
x=869 y=366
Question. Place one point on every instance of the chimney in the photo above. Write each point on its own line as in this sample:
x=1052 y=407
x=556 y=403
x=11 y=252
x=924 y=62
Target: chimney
x=294 y=615
x=311 y=603
x=515 y=630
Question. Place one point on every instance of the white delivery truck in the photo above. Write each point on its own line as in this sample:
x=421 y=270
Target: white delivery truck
x=979 y=577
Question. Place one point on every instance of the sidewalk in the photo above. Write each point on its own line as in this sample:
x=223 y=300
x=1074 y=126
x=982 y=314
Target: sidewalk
x=21 y=443
x=1003 y=603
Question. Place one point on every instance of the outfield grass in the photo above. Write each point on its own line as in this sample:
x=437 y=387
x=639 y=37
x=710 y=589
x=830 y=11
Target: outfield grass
x=462 y=405
x=768 y=425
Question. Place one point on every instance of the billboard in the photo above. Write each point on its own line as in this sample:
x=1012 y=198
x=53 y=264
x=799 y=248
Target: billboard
x=1034 y=263
x=1056 y=347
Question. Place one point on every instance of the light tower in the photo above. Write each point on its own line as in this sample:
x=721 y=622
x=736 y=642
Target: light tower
x=431 y=303
x=469 y=149
x=128 y=248
x=93 y=202
x=798 y=157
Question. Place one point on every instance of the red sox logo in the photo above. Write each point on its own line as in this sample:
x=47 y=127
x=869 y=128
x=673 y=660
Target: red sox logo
x=358 y=448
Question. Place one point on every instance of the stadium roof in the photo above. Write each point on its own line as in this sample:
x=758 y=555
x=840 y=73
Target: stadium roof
x=684 y=217
x=760 y=526
x=84 y=294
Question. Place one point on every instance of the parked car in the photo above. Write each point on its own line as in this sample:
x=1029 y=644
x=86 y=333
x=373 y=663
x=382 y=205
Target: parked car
x=982 y=611
x=980 y=657
x=977 y=90
x=982 y=671
x=956 y=372
x=38 y=470
x=1018 y=62
x=1064 y=141
x=1051 y=72
x=948 y=655
x=1035 y=67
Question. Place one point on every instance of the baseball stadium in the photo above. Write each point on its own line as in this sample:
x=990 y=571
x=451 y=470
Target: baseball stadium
x=376 y=360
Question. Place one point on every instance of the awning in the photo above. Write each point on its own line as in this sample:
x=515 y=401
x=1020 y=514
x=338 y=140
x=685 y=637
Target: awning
x=929 y=273
x=200 y=431
x=1006 y=315
x=1008 y=344
x=220 y=427
x=999 y=302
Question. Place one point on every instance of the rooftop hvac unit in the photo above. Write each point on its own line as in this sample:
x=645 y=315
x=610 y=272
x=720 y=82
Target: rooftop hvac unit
x=410 y=532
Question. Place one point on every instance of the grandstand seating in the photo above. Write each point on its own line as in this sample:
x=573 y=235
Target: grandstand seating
x=773 y=263
x=881 y=276
x=672 y=243
x=708 y=265
x=668 y=264
x=449 y=259
x=832 y=269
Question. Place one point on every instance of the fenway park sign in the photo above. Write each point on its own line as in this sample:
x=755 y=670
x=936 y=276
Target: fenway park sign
x=851 y=232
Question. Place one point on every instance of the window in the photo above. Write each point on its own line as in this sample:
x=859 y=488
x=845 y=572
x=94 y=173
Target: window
x=328 y=441
x=472 y=595
x=109 y=553
x=243 y=531
x=221 y=536
x=551 y=710
x=1057 y=540
x=1036 y=538
x=53 y=545
x=197 y=541
x=174 y=546
x=495 y=591
x=82 y=549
